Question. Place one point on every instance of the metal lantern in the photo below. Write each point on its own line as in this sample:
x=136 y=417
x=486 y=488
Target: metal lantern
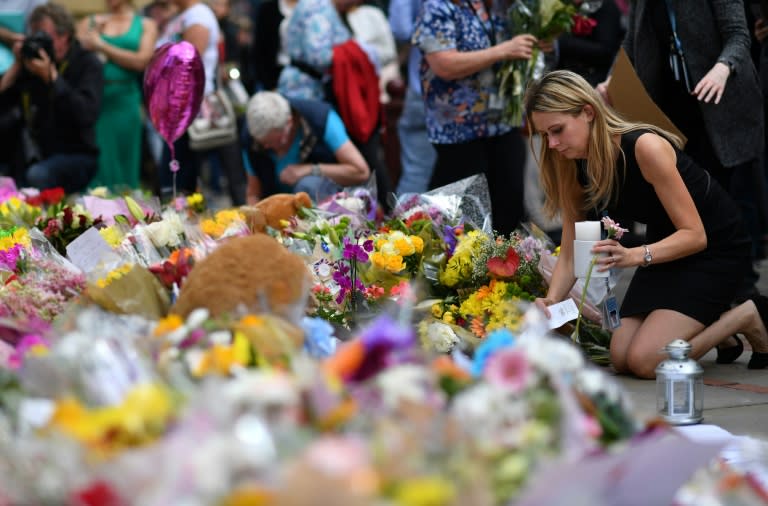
x=680 y=386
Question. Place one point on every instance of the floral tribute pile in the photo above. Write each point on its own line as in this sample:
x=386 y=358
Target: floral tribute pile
x=418 y=376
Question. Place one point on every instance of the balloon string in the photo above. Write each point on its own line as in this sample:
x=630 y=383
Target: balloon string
x=174 y=166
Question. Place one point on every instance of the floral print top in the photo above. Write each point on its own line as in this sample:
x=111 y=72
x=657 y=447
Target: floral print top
x=314 y=28
x=458 y=111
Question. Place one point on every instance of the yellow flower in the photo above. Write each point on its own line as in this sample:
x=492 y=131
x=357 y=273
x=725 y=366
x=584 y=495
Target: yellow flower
x=220 y=359
x=141 y=417
x=195 y=199
x=211 y=228
x=437 y=310
x=114 y=275
x=404 y=246
x=418 y=243
x=19 y=236
x=425 y=491
x=448 y=317
x=168 y=324
x=216 y=226
x=112 y=235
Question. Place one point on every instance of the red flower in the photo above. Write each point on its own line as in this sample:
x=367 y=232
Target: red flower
x=582 y=25
x=98 y=493
x=52 y=196
x=504 y=268
x=68 y=216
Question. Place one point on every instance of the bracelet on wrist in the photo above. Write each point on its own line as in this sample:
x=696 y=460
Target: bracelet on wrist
x=316 y=170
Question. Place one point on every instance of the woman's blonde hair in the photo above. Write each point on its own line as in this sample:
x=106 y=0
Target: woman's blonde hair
x=562 y=91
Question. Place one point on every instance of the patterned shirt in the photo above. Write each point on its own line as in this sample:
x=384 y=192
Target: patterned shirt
x=315 y=27
x=457 y=111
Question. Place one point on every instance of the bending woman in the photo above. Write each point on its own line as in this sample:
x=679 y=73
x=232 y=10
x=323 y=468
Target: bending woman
x=592 y=161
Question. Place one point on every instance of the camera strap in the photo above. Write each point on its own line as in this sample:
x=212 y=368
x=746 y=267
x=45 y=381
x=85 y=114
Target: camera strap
x=26 y=104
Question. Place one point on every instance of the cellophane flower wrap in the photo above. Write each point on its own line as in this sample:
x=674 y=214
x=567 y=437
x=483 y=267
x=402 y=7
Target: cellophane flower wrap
x=545 y=20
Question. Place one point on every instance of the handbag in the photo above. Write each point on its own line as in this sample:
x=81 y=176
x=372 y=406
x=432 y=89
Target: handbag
x=215 y=125
x=677 y=61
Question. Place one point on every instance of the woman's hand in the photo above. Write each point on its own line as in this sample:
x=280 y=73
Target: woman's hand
x=543 y=303
x=611 y=253
x=91 y=40
x=712 y=85
x=517 y=48
x=602 y=90
x=547 y=46
x=761 y=30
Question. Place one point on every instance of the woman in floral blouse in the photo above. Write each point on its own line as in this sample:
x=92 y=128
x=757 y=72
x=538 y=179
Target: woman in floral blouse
x=463 y=42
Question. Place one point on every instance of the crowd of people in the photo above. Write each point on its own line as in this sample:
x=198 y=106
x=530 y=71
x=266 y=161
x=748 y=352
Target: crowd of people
x=318 y=74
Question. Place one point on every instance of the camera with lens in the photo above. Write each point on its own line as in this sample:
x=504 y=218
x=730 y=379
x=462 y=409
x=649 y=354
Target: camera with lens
x=33 y=43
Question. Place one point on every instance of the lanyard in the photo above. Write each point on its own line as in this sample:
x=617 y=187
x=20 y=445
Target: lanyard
x=490 y=34
x=673 y=24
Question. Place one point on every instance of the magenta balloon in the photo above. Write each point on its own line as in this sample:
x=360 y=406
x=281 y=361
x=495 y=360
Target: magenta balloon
x=173 y=88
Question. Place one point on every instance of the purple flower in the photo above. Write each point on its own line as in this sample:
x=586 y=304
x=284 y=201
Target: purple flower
x=386 y=343
x=28 y=343
x=10 y=257
x=353 y=251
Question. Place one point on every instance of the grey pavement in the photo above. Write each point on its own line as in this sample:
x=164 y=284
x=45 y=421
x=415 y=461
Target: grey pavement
x=735 y=398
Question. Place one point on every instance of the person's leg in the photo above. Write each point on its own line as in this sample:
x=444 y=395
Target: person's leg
x=72 y=172
x=417 y=155
x=506 y=180
x=658 y=329
x=373 y=154
x=742 y=319
x=319 y=188
x=620 y=341
x=232 y=165
x=458 y=161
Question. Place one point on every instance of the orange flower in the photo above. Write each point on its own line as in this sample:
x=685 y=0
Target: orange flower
x=444 y=366
x=346 y=361
x=477 y=327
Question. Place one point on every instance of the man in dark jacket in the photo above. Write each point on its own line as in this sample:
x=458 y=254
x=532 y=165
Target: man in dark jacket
x=56 y=88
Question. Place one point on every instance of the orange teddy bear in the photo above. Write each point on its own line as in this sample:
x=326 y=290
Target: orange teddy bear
x=273 y=210
x=255 y=272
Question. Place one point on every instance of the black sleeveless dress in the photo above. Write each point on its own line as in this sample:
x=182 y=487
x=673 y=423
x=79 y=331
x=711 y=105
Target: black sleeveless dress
x=702 y=285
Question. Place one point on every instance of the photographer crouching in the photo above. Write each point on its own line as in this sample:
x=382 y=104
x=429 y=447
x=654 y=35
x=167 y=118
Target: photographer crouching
x=54 y=87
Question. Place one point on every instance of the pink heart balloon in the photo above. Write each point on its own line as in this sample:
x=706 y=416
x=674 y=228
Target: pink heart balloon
x=173 y=89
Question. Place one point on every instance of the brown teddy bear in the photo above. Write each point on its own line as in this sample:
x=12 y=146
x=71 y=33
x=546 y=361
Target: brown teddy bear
x=255 y=272
x=271 y=211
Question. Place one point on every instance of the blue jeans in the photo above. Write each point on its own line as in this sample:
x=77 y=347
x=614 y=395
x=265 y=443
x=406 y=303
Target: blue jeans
x=71 y=171
x=319 y=188
x=417 y=155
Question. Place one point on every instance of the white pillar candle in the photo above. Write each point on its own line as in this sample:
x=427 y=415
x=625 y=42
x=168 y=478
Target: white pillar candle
x=587 y=230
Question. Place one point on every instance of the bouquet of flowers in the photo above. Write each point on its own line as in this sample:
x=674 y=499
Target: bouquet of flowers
x=544 y=19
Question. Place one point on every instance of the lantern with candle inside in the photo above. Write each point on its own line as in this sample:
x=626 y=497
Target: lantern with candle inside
x=587 y=234
x=680 y=386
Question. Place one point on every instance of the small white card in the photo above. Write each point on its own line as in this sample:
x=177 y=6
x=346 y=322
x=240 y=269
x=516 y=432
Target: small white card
x=88 y=249
x=562 y=312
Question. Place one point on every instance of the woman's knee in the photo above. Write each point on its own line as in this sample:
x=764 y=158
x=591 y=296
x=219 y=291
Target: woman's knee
x=642 y=363
x=619 y=358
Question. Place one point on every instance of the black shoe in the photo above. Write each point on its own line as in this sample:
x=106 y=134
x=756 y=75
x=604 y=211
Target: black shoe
x=758 y=361
x=730 y=354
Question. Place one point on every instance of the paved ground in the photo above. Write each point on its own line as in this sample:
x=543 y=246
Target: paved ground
x=735 y=397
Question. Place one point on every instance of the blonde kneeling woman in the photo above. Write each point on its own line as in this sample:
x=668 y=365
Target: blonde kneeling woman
x=594 y=163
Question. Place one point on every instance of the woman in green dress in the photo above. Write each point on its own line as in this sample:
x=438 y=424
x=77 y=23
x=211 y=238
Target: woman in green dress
x=125 y=41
